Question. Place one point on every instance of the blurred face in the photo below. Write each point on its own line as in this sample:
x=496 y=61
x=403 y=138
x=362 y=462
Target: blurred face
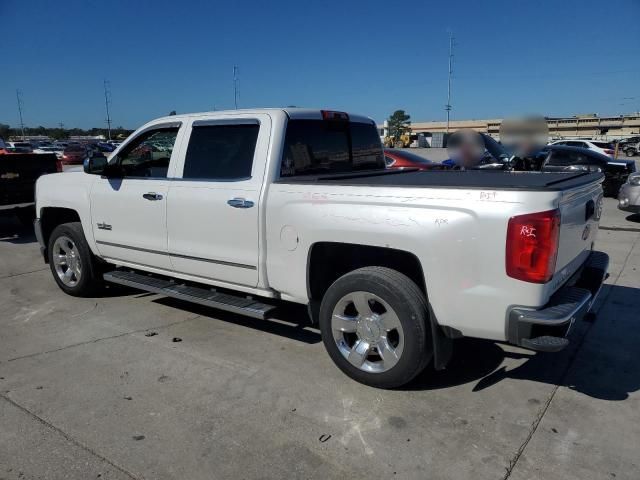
x=465 y=148
x=524 y=136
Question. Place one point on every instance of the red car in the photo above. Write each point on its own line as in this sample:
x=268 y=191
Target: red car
x=395 y=158
x=74 y=155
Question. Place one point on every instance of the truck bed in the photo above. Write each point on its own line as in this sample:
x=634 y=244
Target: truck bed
x=499 y=180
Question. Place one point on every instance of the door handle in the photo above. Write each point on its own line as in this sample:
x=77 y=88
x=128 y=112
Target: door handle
x=240 y=203
x=152 y=196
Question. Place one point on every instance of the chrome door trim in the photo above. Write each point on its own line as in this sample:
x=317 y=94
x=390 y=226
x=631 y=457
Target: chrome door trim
x=187 y=257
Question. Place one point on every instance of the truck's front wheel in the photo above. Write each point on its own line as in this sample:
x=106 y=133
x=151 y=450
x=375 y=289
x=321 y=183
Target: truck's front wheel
x=374 y=324
x=74 y=267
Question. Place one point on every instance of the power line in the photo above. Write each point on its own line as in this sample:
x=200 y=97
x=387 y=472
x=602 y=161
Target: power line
x=107 y=102
x=19 y=99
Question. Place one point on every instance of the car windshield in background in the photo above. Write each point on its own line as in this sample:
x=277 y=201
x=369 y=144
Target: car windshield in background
x=410 y=156
x=75 y=148
x=495 y=149
x=603 y=145
x=315 y=147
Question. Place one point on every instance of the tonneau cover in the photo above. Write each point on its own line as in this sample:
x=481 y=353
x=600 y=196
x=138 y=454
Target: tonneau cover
x=554 y=181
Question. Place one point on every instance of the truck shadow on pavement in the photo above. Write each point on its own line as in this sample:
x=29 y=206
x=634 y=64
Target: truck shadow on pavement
x=12 y=231
x=602 y=361
x=291 y=322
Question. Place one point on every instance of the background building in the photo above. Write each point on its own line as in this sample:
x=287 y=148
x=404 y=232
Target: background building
x=589 y=125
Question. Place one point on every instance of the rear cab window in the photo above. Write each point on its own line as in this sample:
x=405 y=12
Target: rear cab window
x=320 y=147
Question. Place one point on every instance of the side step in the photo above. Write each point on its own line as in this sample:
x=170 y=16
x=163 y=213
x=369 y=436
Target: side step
x=545 y=343
x=199 y=295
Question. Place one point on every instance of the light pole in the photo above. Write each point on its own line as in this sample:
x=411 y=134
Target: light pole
x=236 y=83
x=19 y=99
x=107 y=101
x=448 y=105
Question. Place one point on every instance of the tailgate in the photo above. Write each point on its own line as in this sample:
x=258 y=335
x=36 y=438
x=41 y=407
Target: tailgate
x=580 y=210
x=18 y=175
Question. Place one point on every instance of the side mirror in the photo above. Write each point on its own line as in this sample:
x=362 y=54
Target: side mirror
x=95 y=165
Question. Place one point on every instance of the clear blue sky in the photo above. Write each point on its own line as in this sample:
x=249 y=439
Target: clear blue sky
x=511 y=57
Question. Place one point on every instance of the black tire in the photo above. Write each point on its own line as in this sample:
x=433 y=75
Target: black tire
x=629 y=153
x=410 y=306
x=90 y=281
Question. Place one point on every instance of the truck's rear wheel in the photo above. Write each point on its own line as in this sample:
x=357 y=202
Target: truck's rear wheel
x=74 y=267
x=374 y=324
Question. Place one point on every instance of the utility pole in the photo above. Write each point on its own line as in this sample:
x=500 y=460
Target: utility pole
x=107 y=102
x=448 y=105
x=236 y=85
x=19 y=98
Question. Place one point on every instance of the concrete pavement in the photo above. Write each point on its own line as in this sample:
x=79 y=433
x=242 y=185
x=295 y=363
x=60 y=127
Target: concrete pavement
x=97 y=388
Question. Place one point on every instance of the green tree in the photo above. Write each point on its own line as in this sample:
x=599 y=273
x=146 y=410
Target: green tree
x=399 y=124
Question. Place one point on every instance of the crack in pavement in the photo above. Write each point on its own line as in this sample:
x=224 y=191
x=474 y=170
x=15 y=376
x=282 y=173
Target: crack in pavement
x=620 y=229
x=23 y=273
x=69 y=438
x=536 y=422
x=96 y=340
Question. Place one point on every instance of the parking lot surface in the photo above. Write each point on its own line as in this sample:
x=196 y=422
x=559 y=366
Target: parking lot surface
x=133 y=385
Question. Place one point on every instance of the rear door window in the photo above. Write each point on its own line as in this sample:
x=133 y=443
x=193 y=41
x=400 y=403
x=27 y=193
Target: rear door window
x=221 y=152
x=316 y=147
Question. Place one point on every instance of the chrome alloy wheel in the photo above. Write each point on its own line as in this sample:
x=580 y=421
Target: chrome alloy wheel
x=367 y=331
x=66 y=260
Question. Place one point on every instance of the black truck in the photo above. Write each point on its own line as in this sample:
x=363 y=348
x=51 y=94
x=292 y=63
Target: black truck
x=18 y=175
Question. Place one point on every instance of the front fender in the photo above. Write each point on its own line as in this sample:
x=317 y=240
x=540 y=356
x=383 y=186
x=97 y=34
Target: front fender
x=70 y=190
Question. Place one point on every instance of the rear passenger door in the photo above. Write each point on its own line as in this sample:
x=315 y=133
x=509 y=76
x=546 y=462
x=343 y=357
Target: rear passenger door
x=213 y=208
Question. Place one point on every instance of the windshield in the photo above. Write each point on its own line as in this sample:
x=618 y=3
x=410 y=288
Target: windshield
x=409 y=156
x=495 y=149
x=75 y=148
x=603 y=145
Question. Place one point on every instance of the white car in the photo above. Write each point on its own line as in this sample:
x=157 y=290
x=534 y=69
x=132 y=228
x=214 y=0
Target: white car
x=605 y=148
x=21 y=147
x=251 y=208
x=58 y=151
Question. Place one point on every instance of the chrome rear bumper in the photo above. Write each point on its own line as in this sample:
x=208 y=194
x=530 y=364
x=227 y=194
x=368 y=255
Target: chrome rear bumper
x=546 y=329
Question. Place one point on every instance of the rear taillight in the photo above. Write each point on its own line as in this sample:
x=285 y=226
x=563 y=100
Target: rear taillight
x=58 y=165
x=532 y=246
x=609 y=152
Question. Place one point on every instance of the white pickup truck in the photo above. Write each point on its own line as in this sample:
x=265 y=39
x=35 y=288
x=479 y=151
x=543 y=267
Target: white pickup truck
x=246 y=209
